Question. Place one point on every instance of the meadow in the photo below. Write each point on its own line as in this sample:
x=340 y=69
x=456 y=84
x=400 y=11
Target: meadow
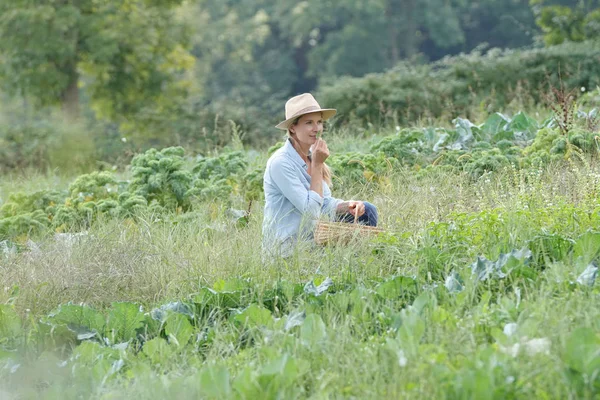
x=149 y=283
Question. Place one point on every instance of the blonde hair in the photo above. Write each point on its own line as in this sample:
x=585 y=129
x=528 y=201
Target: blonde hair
x=326 y=169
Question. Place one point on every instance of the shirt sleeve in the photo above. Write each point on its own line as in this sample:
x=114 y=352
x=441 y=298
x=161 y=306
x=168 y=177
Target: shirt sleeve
x=287 y=180
x=329 y=203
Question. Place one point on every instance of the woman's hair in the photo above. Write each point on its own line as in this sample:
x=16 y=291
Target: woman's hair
x=326 y=169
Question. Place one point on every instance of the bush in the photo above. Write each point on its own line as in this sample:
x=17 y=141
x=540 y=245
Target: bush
x=452 y=85
x=43 y=141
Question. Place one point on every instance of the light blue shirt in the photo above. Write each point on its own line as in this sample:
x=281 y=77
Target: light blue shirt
x=291 y=208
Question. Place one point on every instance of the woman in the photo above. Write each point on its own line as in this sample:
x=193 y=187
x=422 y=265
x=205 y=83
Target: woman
x=297 y=180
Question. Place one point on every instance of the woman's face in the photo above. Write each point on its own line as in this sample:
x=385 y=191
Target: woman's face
x=307 y=129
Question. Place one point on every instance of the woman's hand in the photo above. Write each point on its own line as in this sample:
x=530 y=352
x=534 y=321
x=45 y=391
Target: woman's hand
x=320 y=152
x=356 y=208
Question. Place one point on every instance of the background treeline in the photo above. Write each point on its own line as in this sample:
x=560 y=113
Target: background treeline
x=93 y=82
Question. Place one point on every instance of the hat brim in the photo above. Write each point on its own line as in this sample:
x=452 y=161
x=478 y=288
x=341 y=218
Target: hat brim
x=327 y=113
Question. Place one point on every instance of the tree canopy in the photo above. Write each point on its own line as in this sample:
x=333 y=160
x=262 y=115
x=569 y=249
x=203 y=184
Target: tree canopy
x=173 y=65
x=127 y=54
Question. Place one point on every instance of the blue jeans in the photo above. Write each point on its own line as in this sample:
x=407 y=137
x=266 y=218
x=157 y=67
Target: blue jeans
x=369 y=218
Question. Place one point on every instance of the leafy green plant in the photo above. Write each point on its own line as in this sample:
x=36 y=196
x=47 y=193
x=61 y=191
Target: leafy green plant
x=448 y=86
x=357 y=168
x=159 y=176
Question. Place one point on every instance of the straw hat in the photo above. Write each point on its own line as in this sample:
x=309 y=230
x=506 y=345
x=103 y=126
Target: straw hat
x=301 y=105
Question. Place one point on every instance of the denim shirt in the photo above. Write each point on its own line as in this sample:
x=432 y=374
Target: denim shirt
x=291 y=208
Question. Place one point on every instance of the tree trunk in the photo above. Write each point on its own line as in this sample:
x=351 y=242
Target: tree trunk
x=70 y=98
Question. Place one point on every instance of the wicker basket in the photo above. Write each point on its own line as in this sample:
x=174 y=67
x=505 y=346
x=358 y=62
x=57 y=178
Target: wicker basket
x=342 y=232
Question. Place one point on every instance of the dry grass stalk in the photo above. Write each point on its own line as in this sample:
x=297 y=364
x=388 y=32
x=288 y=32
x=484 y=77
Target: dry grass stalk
x=562 y=104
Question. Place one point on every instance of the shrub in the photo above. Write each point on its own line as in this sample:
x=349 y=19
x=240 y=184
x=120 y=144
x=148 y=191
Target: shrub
x=159 y=176
x=454 y=84
x=43 y=141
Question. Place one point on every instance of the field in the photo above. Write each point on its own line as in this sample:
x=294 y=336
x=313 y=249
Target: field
x=148 y=283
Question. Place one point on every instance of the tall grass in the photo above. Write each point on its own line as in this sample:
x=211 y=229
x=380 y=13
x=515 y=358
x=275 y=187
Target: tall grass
x=462 y=352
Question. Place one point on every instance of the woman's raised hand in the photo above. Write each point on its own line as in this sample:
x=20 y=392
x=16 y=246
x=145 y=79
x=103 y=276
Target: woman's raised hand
x=320 y=152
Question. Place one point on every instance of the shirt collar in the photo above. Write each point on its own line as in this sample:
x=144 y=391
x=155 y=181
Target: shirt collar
x=293 y=154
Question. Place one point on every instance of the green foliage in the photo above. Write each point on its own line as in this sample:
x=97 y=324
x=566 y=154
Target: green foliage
x=159 y=176
x=20 y=203
x=124 y=320
x=10 y=324
x=406 y=147
x=96 y=185
x=550 y=145
x=224 y=166
x=178 y=329
x=218 y=177
x=252 y=184
x=64 y=40
x=581 y=359
x=254 y=316
x=86 y=322
x=22 y=215
x=561 y=23
x=410 y=92
x=357 y=168
x=486 y=294
x=94 y=194
x=42 y=142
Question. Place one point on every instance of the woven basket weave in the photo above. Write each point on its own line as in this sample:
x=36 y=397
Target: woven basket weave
x=342 y=232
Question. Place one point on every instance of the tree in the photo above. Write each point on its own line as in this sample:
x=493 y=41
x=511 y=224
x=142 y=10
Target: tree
x=573 y=21
x=127 y=53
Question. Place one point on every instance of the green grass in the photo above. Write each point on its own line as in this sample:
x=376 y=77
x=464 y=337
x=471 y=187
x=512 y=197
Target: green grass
x=368 y=336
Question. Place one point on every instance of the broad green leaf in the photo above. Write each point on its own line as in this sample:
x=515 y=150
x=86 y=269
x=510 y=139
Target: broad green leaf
x=587 y=247
x=454 y=283
x=10 y=323
x=178 y=329
x=508 y=261
x=524 y=125
x=482 y=268
x=311 y=288
x=583 y=351
x=83 y=320
x=503 y=135
x=92 y=360
x=294 y=319
x=214 y=382
x=87 y=353
x=158 y=350
x=245 y=384
x=396 y=287
x=411 y=330
x=464 y=129
x=276 y=366
x=254 y=316
x=424 y=300
x=124 y=319
x=284 y=371
x=208 y=297
x=495 y=123
x=313 y=331
x=588 y=277
x=161 y=313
